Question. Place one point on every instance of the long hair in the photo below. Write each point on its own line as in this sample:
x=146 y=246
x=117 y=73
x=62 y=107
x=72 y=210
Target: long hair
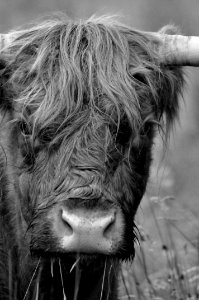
x=95 y=88
x=65 y=74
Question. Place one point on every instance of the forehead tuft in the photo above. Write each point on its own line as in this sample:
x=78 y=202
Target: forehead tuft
x=66 y=72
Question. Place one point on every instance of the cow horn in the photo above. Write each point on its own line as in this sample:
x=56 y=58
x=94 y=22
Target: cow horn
x=179 y=50
x=6 y=39
x=2 y=42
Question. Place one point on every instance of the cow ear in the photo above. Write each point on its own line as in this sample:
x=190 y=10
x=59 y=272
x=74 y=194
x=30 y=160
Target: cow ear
x=157 y=86
x=170 y=81
x=5 y=99
x=158 y=90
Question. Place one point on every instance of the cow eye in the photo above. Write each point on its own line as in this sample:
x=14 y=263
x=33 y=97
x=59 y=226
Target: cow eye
x=140 y=78
x=27 y=154
x=46 y=135
x=24 y=128
x=25 y=144
x=124 y=133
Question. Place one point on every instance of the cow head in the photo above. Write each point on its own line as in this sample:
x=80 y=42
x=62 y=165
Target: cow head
x=80 y=105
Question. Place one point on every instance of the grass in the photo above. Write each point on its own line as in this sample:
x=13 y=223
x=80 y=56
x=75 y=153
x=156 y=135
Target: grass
x=166 y=265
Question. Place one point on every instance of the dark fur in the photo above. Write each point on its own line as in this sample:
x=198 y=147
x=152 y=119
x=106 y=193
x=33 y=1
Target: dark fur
x=80 y=104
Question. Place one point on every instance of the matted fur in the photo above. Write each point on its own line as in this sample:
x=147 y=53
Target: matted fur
x=80 y=104
x=61 y=68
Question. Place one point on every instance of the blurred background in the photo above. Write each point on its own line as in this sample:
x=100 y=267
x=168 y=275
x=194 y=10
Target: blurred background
x=175 y=174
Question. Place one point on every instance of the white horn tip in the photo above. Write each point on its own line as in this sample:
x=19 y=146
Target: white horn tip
x=180 y=50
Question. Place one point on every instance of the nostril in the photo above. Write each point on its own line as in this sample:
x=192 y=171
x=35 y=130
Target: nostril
x=68 y=228
x=108 y=229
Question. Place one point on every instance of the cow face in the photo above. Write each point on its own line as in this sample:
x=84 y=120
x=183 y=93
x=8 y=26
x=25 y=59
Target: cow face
x=80 y=104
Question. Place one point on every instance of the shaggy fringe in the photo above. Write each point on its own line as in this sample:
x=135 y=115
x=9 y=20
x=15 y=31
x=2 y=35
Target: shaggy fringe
x=67 y=75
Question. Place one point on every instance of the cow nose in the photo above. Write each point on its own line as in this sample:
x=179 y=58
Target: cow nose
x=85 y=224
x=89 y=231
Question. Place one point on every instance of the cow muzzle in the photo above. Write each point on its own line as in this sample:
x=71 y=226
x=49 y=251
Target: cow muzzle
x=89 y=231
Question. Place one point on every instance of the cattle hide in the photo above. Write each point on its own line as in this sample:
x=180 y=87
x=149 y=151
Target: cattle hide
x=80 y=104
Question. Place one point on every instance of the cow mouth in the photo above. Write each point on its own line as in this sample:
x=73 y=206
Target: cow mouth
x=71 y=260
x=73 y=274
x=83 y=259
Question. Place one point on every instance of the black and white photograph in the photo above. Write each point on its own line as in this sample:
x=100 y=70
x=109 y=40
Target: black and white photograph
x=99 y=150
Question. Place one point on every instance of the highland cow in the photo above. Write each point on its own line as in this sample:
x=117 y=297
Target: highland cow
x=81 y=102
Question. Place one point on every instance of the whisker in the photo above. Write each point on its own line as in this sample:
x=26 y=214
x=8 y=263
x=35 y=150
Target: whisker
x=74 y=265
x=37 y=285
x=33 y=275
x=10 y=274
x=37 y=290
x=51 y=267
x=62 y=282
x=103 y=279
x=109 y=274
x=77 y=278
